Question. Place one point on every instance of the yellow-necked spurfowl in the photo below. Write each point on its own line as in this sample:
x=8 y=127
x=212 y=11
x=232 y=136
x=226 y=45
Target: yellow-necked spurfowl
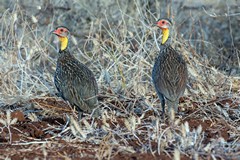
x=73 y=80
x=169 y=72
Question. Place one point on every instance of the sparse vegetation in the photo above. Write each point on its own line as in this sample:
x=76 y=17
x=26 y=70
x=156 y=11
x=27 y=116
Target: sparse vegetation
x=117 y=41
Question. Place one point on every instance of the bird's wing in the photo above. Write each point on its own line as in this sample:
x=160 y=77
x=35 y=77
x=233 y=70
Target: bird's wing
x=171 y=77
x=85 y=85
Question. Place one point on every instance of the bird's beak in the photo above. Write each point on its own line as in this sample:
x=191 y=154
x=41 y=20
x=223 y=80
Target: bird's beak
x=54 y=32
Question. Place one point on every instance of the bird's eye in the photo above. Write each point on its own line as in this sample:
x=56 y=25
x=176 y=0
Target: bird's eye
x=61 y=30
x=163 y=22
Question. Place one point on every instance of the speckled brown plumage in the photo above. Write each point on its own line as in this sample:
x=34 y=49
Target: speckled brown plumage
x=76 y=83
x=169 y=76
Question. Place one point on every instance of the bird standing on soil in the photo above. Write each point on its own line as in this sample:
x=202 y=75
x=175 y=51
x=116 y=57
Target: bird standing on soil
x=73 y=80
x=169 y=72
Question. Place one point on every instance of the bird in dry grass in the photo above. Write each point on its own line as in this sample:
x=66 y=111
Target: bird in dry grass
x=169 y=72
x=73 y=80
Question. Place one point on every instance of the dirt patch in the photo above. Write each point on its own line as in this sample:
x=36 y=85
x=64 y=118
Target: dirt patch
x=213 y=130
x=52 y=137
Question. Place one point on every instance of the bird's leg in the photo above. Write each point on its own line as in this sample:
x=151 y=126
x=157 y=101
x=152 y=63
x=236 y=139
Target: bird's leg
x=172 y=109
x=169 y=108
x=163 y=107
x=162 y=100
x=176 y=107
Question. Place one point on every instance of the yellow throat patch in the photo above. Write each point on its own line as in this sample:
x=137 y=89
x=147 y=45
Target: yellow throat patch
x=63 y=42
x=165 y=32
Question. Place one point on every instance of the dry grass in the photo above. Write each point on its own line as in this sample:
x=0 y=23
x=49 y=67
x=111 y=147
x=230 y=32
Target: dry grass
x=119 y=46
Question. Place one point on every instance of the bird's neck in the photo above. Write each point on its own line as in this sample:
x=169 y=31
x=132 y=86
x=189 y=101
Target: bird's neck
x=63 y=42
x=165 y=33
x=166 y=38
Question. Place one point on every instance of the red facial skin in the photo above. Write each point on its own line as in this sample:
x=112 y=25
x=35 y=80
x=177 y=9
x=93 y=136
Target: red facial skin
x=163 y=24
x=61 y=32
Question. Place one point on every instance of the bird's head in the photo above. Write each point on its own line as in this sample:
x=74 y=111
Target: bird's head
x=164 y=24
x=62 y=33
